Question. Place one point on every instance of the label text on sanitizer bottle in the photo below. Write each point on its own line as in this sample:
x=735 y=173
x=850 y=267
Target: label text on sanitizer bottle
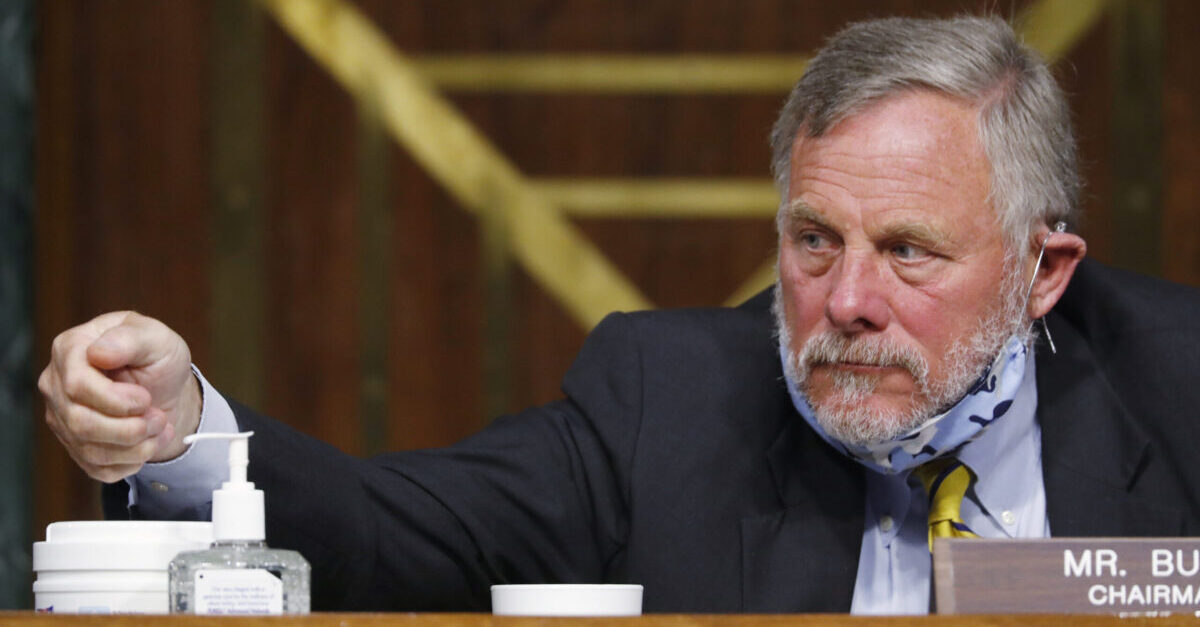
x=230 y=591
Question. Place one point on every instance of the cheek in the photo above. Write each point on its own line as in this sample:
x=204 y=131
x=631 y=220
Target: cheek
x=937 y=322
x=925 y=324
x=803 y=299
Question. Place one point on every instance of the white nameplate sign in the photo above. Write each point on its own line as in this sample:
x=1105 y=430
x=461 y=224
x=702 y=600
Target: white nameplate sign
x=1138 y=576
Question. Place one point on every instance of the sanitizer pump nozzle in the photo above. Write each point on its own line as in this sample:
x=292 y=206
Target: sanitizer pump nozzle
x=237 y=507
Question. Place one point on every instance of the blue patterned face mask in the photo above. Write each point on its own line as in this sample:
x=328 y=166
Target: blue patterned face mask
x=986 y=401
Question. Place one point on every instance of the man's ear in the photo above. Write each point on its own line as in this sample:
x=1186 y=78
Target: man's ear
x=1063 y=253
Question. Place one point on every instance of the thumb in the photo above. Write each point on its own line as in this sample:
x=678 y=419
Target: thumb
x=134 y=342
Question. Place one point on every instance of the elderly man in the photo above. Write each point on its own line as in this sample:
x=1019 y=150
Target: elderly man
x=762 y=458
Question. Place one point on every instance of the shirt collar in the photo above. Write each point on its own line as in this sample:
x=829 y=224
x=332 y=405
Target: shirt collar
x=1007 y=458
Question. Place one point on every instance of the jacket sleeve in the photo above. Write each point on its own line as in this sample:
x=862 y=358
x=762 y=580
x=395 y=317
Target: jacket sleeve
x=538 y=496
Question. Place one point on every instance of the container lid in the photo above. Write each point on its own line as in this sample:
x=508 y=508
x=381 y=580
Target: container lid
x=117 y=544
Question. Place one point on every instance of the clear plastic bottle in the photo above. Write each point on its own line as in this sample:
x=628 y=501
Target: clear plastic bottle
x=239 y=573
x=208 y=569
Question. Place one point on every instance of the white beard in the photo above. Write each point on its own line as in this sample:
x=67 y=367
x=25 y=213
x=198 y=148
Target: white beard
x=845 y=416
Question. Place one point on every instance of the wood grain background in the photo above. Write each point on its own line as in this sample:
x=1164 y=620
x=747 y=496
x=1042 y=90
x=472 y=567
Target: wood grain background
x=194 y=164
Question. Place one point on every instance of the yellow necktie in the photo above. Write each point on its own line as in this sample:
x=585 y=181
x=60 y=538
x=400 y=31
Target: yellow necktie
x=946 y=482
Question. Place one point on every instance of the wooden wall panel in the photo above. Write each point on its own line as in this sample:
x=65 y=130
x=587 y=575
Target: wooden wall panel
x=142 y=190
x=312 y=339
x=1086 y=79
x=1181 y=152
x=237 y=211
x=55 y=284
x=124 y=181
x=1136 y=149
x=436 y=365
x=121 y=187
x=435 y=368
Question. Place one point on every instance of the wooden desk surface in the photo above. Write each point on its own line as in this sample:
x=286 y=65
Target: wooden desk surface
x=657 y=620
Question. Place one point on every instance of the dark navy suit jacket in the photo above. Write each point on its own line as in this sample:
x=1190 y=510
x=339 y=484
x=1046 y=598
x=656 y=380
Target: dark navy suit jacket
x=677 y=461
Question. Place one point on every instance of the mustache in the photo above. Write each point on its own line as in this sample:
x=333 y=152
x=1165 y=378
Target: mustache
x=830 y=347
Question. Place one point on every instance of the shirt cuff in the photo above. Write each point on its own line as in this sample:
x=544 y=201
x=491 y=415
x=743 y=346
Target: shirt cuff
x=181 y=488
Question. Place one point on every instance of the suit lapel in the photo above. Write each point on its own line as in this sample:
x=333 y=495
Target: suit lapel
x=804 y=557
x=1093 y=451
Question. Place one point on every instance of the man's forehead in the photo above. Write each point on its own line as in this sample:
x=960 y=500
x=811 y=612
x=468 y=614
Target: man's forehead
x=914 y=158
x=906 y=120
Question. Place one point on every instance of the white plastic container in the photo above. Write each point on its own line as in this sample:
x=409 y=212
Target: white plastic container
x=567 y=600
x=110 y=566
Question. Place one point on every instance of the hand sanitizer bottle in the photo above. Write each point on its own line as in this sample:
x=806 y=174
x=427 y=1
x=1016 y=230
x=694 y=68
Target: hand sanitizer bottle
x=238 y=574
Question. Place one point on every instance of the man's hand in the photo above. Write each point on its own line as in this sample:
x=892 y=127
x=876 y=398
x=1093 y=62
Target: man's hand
x=119 y=393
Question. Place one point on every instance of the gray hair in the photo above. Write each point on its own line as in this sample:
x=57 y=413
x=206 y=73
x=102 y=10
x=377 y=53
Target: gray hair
x=1024 y=121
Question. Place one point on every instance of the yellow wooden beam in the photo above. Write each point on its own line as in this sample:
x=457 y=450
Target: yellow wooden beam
x=696 y=73
x=1053 y=27
x=662 y=198
x=554 y=252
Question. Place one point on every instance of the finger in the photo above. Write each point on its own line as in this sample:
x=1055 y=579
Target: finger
x=60 y=431
x=86 y=426
x=98 y=455
x=84 y=385
x=87 y=332
x=107 y=473
x=105 y=321
x=110 y=474
x=137 y=341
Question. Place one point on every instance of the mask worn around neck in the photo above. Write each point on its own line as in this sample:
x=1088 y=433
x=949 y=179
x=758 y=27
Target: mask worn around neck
x=987 y=401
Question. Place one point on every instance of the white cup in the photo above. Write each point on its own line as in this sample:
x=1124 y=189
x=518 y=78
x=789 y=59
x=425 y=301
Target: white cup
x=567 y=600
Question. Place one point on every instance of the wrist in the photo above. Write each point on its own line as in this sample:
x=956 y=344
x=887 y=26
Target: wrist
x=185 y=421
x=192 y=408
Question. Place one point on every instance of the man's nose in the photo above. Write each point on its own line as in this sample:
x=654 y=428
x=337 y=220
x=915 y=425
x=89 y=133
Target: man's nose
x=857 y=300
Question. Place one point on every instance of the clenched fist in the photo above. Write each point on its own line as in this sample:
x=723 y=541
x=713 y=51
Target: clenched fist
x=120 y=392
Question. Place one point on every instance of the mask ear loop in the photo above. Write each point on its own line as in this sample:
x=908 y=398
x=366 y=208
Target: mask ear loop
x=1058 y=228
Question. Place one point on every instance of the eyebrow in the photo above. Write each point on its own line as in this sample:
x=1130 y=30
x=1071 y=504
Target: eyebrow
x=917 y=232
x=799 y=211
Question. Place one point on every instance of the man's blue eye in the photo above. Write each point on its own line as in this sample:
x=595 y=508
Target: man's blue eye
x=812 y=240
x=907 y=251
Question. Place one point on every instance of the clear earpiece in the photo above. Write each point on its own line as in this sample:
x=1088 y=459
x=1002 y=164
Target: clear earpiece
x=1058 y=228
